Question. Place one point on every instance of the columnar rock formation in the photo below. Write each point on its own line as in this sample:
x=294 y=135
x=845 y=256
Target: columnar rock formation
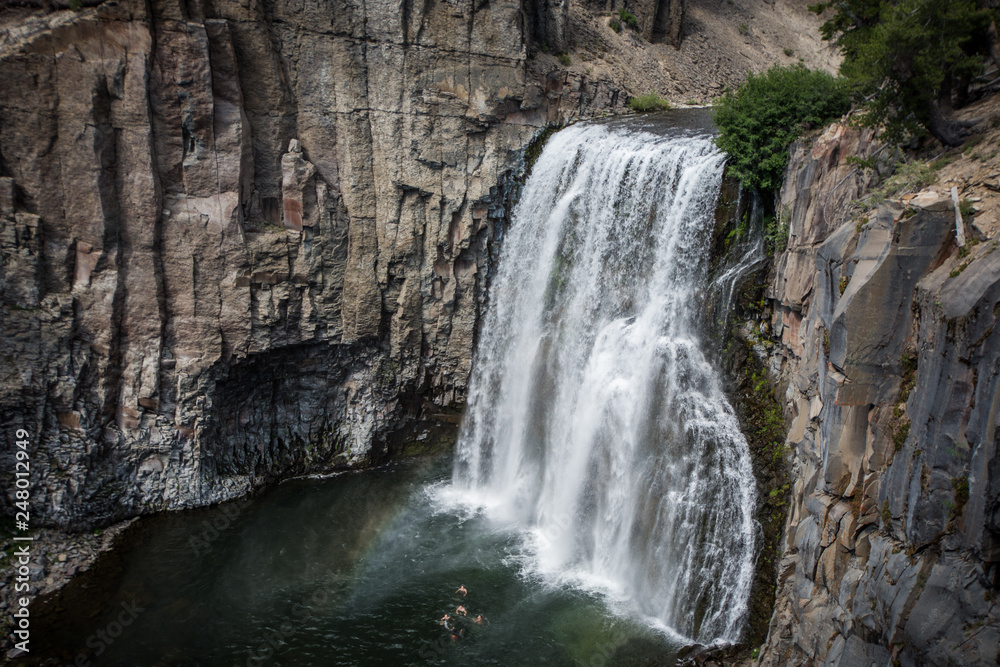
x=891 y=359
x=243 y=239
x=657 y=20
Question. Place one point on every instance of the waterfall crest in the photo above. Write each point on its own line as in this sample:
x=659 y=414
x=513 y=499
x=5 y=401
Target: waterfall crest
x=594 y=419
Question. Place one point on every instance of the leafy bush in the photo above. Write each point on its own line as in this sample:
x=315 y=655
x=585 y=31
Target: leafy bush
x=648 y=102
x=628 y=18
x=767 y=112
x=615 y=25
x=565 y=59
x=776 y=233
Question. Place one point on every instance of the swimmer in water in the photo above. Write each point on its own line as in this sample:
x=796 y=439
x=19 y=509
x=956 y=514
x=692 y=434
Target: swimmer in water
x=460 y=610
x=444 y=621
x=479 y=620
x=462 y=590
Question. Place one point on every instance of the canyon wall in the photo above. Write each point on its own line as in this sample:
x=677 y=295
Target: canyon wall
x=243 y=240
x=885 y=344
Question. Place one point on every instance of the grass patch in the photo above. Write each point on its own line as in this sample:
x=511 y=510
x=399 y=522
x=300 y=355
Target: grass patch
x=906 y=177
x=648 y=102
x=899 y=435
x=967 y=209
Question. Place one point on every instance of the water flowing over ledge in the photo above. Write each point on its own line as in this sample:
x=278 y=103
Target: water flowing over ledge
x=595 y=420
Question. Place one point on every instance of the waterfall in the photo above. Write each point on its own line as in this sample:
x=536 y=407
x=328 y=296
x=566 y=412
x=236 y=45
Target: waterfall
x=595 y=421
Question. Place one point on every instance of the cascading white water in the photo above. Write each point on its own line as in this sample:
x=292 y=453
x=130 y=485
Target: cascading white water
x=594 y=418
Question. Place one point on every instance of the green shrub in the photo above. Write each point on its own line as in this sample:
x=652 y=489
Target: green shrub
x=628 y=18
x=615 y=25
x=648 y=102
x=967 y=209
x=900 y=434
x=776 y=234
x=788 y=52
x=767 y=112
x=565 y=59
x=865 y=164
x=743 y=28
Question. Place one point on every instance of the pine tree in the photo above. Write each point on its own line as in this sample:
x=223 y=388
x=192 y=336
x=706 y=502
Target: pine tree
x=909 y=62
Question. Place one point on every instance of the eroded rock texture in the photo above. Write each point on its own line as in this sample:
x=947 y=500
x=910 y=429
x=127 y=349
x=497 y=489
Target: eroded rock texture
x=655 y=20
x=890 y=354
x=245 y=239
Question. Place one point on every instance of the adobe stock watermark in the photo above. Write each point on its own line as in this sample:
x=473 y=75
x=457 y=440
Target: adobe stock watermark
x=602 y=656
x=100 y=641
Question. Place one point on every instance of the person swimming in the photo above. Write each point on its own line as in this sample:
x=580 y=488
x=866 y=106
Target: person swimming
x=461 y=610
x=479 y=620
x=462 y=590
x=444 y=621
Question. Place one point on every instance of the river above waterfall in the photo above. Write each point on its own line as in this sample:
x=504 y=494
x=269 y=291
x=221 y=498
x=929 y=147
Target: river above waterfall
x=598 y=506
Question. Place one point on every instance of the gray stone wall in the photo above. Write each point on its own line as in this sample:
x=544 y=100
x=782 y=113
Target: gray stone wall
x=890 y=358
x=246 y=239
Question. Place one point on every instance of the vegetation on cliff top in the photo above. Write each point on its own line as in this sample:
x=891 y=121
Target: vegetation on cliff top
x=909 y=63
x=759 y=120
x=648 y=102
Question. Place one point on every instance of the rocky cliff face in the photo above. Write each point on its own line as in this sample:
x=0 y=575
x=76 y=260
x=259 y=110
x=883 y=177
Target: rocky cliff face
x=889 y=358
x=246 y=239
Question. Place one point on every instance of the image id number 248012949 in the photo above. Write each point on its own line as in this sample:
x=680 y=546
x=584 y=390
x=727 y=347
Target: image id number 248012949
x=22 y=553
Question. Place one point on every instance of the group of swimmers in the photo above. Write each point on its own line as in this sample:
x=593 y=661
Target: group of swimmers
x=455 y=624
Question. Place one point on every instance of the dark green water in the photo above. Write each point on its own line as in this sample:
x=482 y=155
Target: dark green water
x=350 y=570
